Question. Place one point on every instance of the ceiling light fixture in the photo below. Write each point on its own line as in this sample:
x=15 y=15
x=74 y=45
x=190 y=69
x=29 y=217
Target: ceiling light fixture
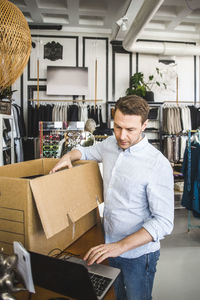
x=15 y=43
x=167 y=60
x=122 y=23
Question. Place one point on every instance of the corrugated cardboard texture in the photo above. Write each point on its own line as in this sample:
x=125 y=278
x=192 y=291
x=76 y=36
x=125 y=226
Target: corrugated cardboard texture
x=71 y=193
x=23 y=169
x=13 y=193
x=19 y=217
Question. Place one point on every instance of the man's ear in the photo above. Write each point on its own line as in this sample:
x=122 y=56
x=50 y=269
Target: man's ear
x=144 y=125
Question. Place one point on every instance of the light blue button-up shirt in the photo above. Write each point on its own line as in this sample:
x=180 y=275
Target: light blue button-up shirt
x=138 y=191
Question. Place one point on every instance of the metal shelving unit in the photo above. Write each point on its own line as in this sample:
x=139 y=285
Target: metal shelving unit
x=2 y=148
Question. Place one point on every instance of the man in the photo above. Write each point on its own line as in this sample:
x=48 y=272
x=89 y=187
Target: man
x=138 y=199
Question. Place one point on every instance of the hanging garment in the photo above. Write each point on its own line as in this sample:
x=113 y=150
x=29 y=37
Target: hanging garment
x=96 y=116
x=100 y=116
x=193 y=114
x=176 y=119
x=30 y=120
x=191 y=172
x=17 y=135
x=183 y=144
x=92 y=116
x=73 y=112
x=54 y=113
x=20 y=119
x=168 y=148
x=89 y=112
x=84 y=112
x=28 y=147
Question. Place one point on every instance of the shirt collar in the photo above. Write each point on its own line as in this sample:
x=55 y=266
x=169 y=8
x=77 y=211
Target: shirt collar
x=140 y=145
x=137 y=147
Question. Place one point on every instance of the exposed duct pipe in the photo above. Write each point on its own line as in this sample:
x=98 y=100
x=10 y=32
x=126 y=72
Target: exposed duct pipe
x=144 y=15
x=164 y=48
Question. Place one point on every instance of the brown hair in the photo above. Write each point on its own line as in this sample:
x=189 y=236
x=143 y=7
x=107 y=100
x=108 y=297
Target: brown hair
x=133 y=105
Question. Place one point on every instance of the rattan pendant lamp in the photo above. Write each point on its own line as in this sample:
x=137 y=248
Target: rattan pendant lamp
x=15 y=43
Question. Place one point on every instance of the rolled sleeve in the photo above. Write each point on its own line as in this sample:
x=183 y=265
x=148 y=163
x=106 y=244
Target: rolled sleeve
x=94 y=152
x=81 y=149
x=160 y=194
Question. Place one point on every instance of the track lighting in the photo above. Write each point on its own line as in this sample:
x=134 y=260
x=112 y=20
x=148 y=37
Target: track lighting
x=167 y=60
x=122 y=23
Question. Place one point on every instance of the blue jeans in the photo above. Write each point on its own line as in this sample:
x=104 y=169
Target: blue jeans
x=135 y=281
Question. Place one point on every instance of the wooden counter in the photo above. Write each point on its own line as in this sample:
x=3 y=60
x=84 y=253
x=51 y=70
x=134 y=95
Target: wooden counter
x=91 y=238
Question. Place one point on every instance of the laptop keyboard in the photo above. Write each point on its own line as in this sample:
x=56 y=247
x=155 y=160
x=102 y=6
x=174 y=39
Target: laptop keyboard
x=99 y=283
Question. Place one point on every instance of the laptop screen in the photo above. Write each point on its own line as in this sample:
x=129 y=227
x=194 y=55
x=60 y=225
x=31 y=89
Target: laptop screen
x=63 y=277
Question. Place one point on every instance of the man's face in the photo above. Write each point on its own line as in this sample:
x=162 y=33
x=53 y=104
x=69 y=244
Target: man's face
x=128 y=129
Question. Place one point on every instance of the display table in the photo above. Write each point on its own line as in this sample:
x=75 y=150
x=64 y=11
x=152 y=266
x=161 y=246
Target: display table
x=91 y=238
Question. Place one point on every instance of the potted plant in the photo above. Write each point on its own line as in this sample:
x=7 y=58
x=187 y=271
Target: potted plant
x=6 y=93
x=142 y=88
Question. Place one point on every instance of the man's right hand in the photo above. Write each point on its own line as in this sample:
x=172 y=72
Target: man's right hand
x=66 y=161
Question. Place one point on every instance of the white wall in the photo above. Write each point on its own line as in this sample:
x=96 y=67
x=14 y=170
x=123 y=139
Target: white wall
x=183 y=69
x=110 y=86
x=97 y=47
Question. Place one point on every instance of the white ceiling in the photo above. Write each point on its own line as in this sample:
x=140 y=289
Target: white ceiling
x=174 y=20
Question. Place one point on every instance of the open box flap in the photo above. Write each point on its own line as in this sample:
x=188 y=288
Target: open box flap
x=70 y=193
x=23 y=169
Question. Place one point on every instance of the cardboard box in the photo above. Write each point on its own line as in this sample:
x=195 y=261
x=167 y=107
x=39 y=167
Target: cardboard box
x=50 y=211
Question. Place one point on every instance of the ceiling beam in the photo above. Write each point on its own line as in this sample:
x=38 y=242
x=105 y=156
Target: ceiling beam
x=34 y=11
x=179 y=19
x=73 y=9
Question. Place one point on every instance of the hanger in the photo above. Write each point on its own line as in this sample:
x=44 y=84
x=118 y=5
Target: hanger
x=196 y=137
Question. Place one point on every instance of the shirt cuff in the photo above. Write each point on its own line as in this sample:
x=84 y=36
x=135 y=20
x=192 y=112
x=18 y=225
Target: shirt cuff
x=152 y=231
x=81 y=149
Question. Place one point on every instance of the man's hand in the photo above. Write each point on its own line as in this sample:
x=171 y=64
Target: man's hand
x=62 y=164
x=66 y=160
x=101 y=252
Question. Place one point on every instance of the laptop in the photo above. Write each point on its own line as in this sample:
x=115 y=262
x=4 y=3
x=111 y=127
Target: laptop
x=70 y=276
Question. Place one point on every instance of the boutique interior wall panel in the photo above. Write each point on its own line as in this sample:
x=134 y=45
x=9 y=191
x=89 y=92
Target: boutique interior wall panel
x=69 y=57
x=96 y=50
x=148 y=64
x=122 y=74
x=95 y=57
x=183 y=69
x=18 y=94
x=134 y=63
x=186 y=78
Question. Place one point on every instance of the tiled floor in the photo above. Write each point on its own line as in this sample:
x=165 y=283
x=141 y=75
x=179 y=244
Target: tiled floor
x=178 y=271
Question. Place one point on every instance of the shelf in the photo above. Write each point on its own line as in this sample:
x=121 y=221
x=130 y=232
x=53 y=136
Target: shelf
x=7 y=148
x=151 y=131
x=3 y=116
x=4 y=148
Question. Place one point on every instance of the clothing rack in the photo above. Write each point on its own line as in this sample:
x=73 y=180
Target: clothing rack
x=179 y=102
x=67 y=100
x=193 y=130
